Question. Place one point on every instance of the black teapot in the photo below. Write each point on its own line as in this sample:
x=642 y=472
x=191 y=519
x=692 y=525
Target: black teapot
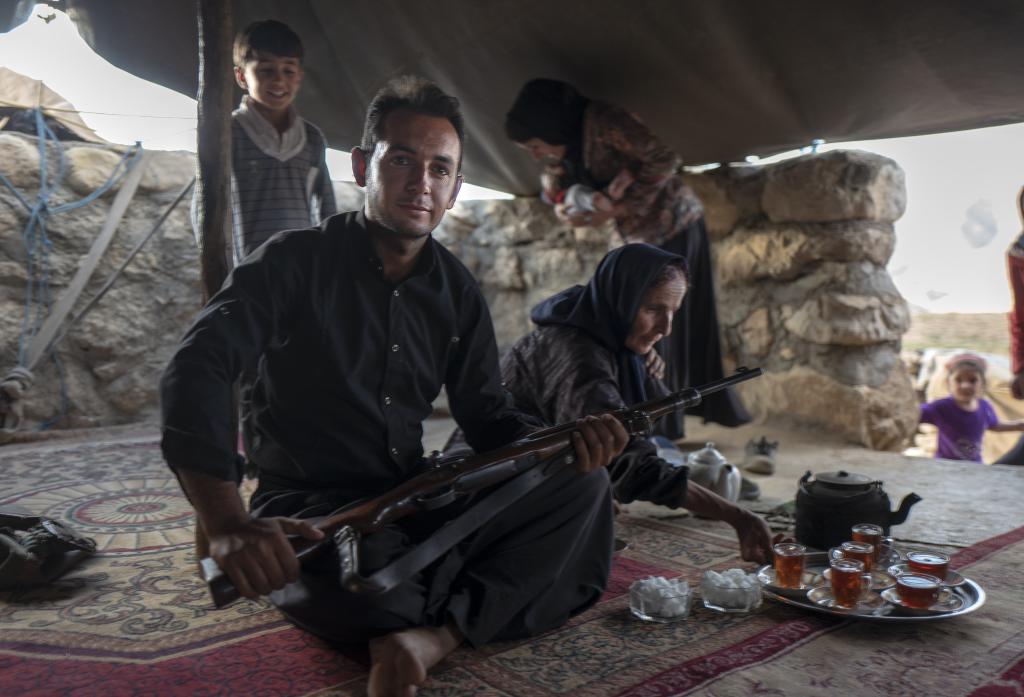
x=828 y=506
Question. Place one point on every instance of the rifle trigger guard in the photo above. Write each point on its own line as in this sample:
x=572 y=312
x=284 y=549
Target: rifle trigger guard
x=637 y=423
x=431 y=501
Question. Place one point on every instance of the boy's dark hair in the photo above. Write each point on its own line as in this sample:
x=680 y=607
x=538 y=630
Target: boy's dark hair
x=415 y=94
x=266 y=35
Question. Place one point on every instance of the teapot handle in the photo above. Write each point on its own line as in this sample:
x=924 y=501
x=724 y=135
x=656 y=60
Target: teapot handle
x=803 y=479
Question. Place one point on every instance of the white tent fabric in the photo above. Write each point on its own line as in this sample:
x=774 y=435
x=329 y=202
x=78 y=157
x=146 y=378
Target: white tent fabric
x=21 y=92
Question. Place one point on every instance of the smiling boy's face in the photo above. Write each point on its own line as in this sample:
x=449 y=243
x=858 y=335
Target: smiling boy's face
x=272 y=82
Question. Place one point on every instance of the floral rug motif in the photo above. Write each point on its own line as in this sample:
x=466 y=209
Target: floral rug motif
x=136 y=620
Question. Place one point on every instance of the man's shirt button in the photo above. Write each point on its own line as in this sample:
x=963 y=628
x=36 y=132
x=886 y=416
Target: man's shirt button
x=394 y=451
x=394 y=347
x=387 y=401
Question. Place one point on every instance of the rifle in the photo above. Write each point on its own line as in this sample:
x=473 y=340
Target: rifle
x=449 y=478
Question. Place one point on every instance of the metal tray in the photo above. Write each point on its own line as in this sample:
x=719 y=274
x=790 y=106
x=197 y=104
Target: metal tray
x=972 y=594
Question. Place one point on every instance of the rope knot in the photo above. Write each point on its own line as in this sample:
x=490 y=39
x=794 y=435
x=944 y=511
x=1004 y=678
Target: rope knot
x=12 y=387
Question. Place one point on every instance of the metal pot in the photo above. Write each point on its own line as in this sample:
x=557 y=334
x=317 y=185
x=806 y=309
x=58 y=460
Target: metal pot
x=711 y=470
x=828 y=506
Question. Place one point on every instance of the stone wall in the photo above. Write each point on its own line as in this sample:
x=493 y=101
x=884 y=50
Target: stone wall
x=521 y=254
x=800 y=251
x=111 y=359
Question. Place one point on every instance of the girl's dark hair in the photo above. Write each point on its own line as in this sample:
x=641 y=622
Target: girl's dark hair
x=551 y=110
x=415 y=94
x=267 y=35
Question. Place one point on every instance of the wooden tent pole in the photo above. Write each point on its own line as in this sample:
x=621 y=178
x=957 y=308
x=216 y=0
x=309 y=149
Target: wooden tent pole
x=213 y=180
x=214 y=140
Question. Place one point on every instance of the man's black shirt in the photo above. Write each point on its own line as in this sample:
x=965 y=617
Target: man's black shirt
x=349 y=363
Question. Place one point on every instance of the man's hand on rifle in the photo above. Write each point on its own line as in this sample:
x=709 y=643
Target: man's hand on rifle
x=255 y=553
x=598 y=440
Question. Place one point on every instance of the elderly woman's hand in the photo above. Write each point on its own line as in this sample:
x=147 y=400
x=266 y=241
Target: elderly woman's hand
x=755 y=538
x=655 y=365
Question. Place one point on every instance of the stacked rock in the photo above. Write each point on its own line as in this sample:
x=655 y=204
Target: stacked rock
x=800 y=250
x=111 y=360
x=521 y=253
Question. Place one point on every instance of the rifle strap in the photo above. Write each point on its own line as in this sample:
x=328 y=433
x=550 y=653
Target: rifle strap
x=452 y=533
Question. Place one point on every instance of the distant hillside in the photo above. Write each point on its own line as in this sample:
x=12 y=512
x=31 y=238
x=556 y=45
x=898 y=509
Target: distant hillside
x=986 y=332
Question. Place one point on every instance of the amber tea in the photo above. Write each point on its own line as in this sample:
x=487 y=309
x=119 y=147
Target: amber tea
x=917 y=590
x=869 y=533
x=861 y=551
x=931 y=563
x=789 y=564
x=849 y=582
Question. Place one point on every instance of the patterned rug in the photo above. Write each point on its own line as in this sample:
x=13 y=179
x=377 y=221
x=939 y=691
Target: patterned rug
x=135 y=620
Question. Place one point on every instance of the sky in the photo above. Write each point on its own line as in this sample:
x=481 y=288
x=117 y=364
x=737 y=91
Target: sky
x=950 y=244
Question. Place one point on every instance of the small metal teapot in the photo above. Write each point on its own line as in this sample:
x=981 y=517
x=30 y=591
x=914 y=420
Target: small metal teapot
x=711 y=470
x=828 y=506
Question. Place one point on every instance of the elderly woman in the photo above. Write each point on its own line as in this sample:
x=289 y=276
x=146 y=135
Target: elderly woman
x=601 y=155
x=591 y=352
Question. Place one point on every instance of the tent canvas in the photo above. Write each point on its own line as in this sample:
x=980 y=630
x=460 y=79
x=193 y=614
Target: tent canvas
x=716 y=80
x=20 y=92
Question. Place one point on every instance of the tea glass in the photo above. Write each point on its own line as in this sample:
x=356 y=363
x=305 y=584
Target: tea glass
x=869 y=533
x=931 y=563
x=861 y=551
x=789 y=564
x=918 y=590
x=850 y=584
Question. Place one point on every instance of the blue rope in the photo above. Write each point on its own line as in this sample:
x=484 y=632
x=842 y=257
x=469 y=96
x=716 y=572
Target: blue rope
x=38 y=244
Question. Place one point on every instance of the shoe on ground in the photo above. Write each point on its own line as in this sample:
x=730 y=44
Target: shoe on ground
x=749 y=491
x=760 y=456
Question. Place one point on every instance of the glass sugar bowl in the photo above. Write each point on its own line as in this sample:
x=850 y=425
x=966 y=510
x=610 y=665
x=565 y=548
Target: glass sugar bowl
x=658 y=599
x=730 y=591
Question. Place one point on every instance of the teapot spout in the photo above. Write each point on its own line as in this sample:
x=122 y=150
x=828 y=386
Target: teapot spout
x=900 y=514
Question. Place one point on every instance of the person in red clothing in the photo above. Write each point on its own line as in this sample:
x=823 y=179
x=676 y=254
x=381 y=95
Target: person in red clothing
x=1015 y=269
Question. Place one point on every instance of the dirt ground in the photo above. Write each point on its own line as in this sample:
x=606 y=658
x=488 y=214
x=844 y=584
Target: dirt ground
x=987 y=333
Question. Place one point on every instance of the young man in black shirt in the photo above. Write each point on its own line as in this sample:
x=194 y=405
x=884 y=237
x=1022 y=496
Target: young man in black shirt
x=357 y=324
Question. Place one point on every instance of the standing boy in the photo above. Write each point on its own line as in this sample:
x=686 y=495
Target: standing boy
x=280 y=178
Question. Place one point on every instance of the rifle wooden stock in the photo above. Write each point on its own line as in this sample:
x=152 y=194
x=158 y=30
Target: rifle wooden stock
x=450 y=478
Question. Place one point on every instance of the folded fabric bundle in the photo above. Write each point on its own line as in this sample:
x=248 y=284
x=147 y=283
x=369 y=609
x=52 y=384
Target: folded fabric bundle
x=36 y=550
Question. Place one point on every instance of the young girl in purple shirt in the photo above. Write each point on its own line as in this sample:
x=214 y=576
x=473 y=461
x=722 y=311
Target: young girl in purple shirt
x=964 y=416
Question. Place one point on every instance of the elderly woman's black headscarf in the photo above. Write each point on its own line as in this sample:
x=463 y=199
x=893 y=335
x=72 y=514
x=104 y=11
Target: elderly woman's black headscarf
x=606 y=307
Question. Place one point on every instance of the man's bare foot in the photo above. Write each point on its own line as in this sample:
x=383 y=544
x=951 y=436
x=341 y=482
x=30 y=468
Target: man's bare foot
x=400 y=660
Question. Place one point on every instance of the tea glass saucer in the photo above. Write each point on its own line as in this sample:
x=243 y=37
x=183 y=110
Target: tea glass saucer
x=889 y=555
x=880 y=580
x=948 y=602
x=766 y=576
x=952 y=580
x=822 y=595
